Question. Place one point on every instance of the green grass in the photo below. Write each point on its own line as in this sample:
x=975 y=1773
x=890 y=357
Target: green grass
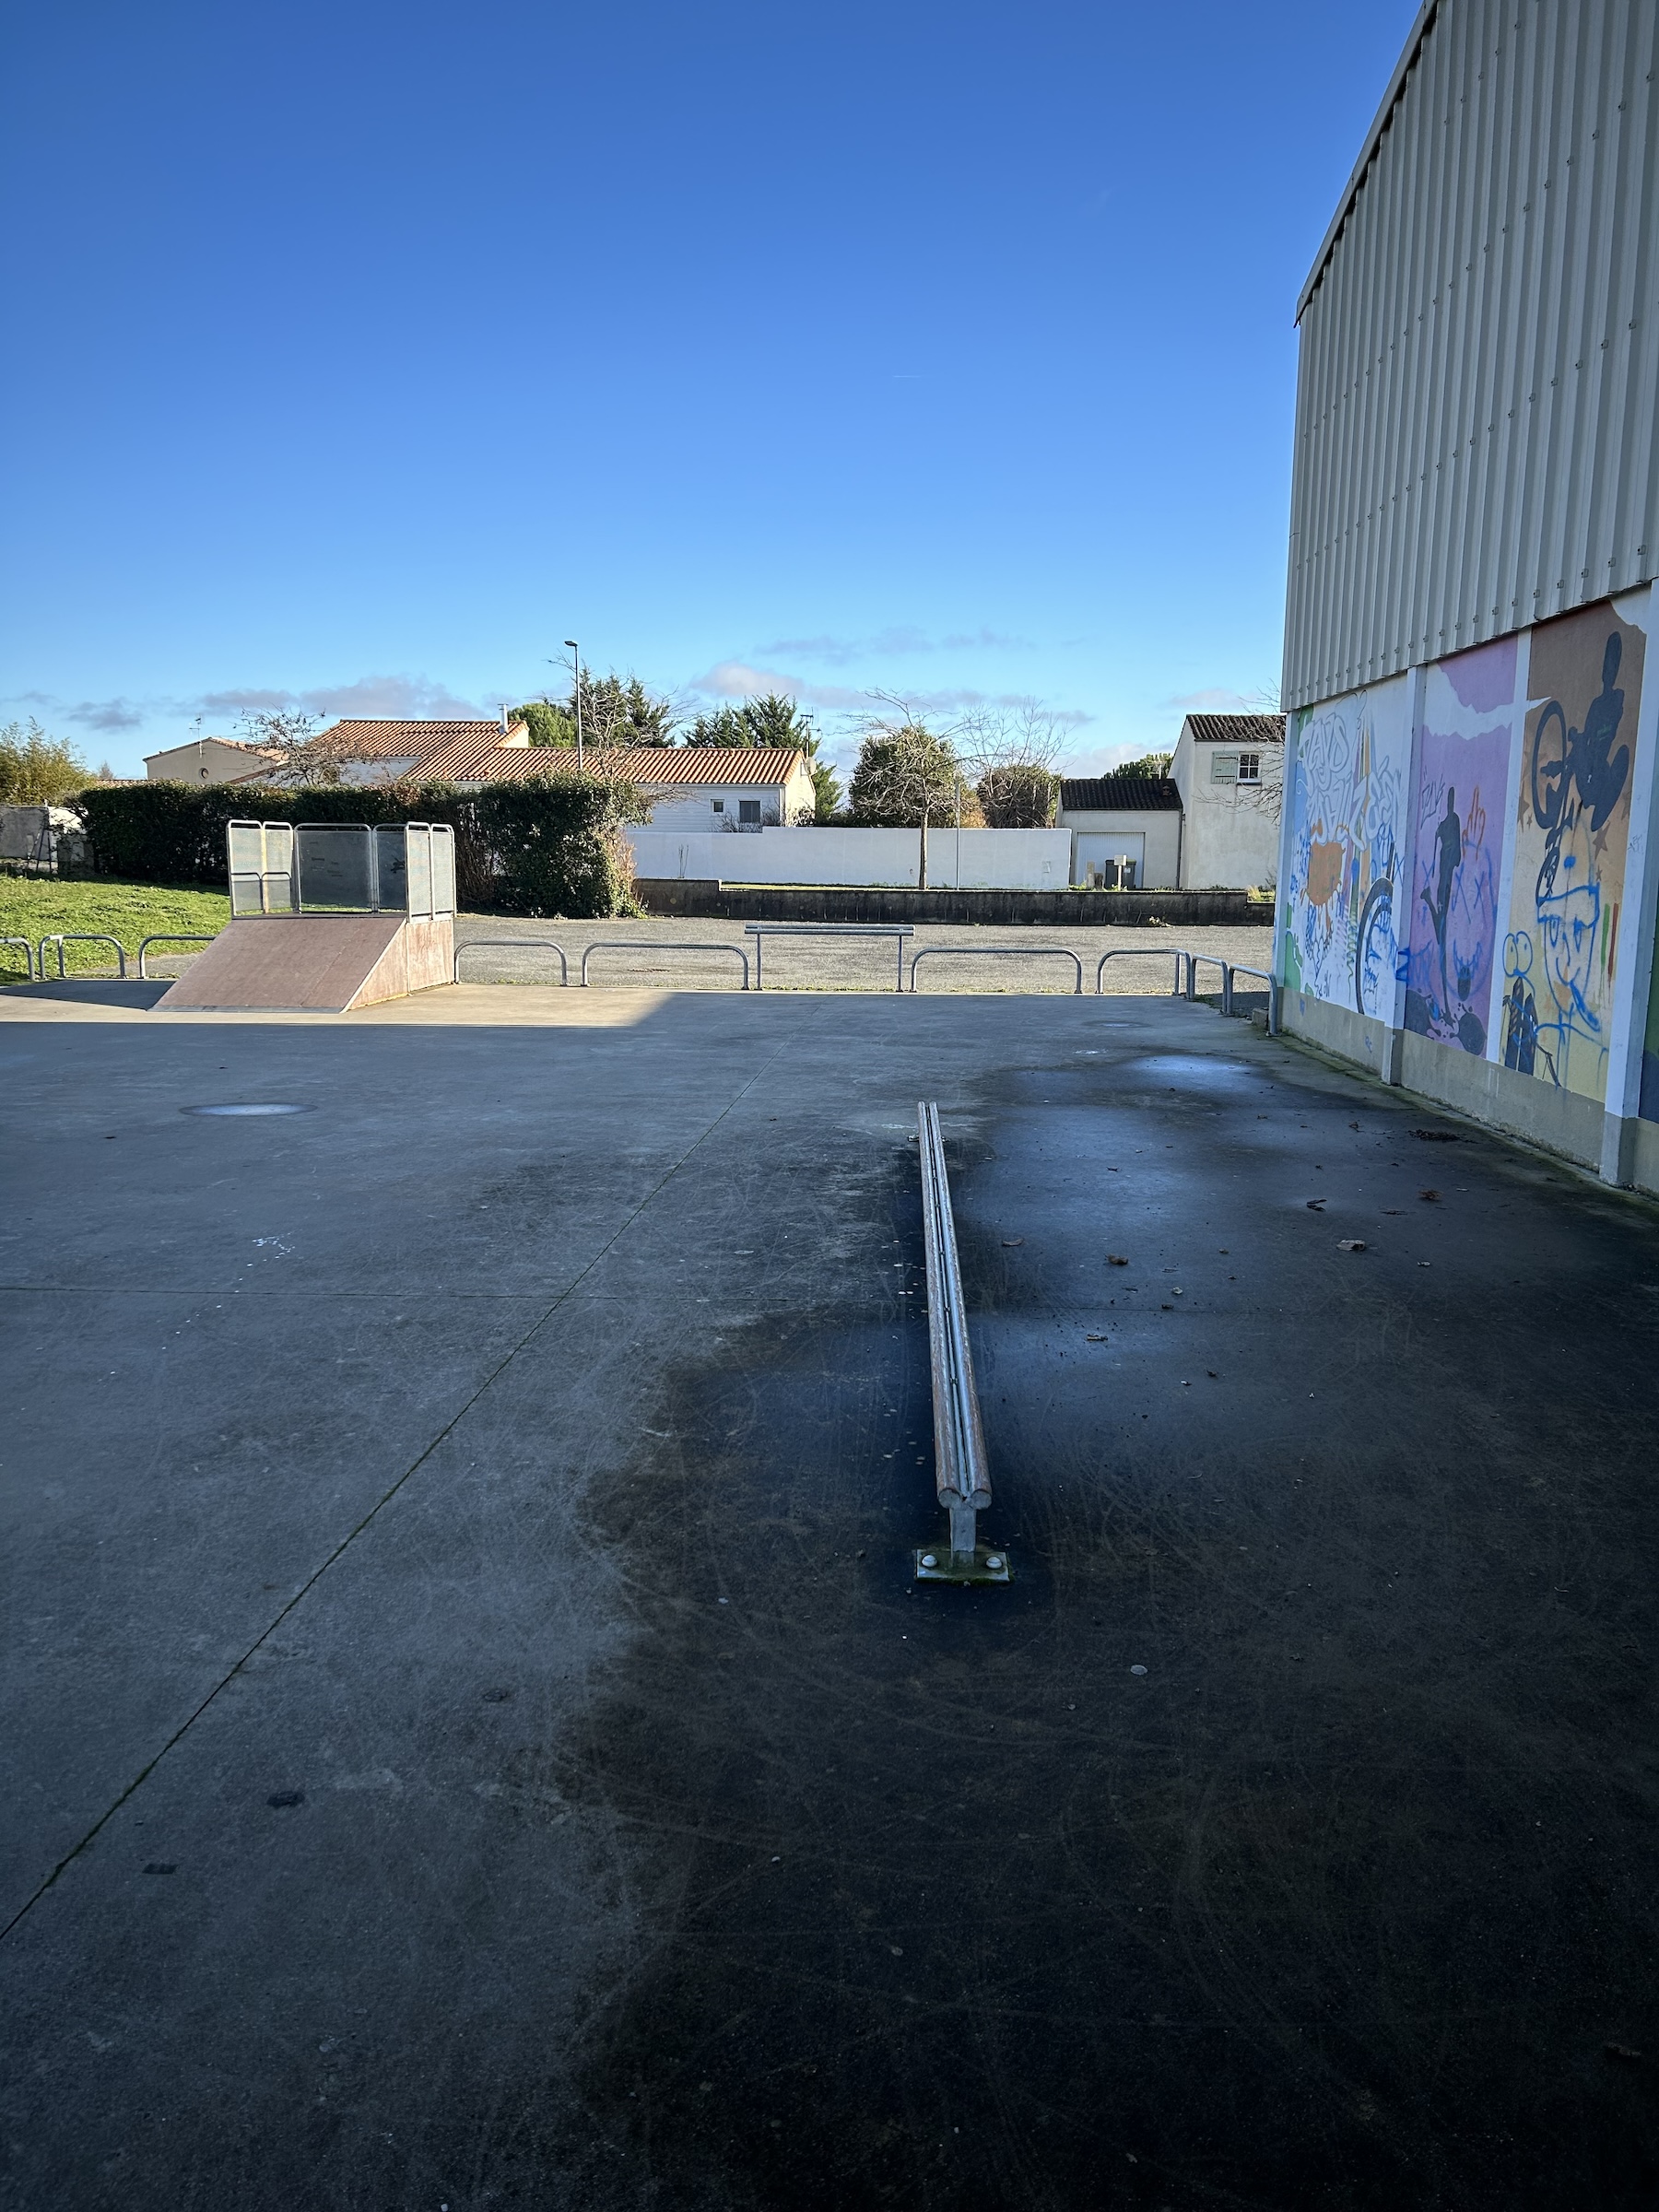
x=35 y=906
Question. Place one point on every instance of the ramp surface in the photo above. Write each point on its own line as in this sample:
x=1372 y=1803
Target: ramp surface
x=313 y=963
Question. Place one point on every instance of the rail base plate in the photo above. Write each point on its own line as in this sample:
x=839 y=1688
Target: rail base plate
x=938 y=1563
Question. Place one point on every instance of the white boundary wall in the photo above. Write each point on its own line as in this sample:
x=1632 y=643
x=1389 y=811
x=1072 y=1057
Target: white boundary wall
x=998 y=860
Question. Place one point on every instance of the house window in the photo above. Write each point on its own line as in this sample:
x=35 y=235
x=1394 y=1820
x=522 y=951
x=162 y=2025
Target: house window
x=748 y=810
x=719 y=806
x=1250 y=768
x=1224 y=768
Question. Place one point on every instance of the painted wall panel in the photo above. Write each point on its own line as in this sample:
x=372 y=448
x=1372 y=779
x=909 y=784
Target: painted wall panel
x=1347 y=848
x=1465 y=734
x=1572 y=813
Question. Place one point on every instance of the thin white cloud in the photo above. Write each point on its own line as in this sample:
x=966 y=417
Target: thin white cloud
x=899 y=640
x=738 y=679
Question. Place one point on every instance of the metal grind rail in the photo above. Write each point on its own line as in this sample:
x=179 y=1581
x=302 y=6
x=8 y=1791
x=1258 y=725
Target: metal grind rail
x=961 y=1472
x=517 y=945
x=659 y=944
x=28 y=956
x=79 y=937
x=168 y=936
x=999 y=952
x=758 y=930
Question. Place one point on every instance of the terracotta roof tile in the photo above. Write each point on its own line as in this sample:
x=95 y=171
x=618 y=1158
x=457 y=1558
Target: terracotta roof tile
x=472 y=752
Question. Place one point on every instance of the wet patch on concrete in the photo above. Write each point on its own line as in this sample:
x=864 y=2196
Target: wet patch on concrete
x=1345 y=1900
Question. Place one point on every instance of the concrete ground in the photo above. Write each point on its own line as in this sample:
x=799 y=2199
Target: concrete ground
x=471 y=1736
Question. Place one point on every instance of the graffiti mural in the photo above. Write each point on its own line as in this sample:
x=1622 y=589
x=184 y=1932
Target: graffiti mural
x=1348 y=826
x=1464 y=738
x=1573 y=816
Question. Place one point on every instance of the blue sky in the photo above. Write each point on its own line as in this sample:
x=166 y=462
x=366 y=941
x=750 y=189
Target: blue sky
x=359 y=354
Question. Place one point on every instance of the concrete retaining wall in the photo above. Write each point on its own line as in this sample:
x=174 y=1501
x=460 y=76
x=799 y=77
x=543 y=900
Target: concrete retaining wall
x=1559 y=1121
x=767 y=902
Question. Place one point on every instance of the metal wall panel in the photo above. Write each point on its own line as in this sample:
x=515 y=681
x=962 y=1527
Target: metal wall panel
x=1478 y=380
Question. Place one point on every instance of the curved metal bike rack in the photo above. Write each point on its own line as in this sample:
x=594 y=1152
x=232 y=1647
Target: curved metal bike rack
x=168 y=936
x=1138 y=952
x=515 y=945
x=1215 y=961
x=28 y=953
x=999 y=952
x=1261 y=974
x=758 y=930
x=79 y=937
x=658 y=945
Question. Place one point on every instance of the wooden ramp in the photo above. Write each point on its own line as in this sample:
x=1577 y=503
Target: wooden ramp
x=314 y=964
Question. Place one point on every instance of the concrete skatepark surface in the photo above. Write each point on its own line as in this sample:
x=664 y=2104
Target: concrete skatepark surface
x=472 y=1737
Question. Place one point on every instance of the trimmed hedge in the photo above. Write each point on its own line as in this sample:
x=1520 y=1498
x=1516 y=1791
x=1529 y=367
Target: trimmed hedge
x=550 y=846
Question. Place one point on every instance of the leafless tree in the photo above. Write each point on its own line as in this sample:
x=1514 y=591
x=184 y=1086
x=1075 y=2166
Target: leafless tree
x=907 y=771
x=297 y=751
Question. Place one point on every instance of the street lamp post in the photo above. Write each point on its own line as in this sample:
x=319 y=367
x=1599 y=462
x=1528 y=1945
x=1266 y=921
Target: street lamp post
x=576 y=651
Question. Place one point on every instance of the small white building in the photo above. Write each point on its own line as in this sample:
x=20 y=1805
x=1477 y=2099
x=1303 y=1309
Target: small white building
x=1230 y=773
x=209 y=761
x=1125 y=831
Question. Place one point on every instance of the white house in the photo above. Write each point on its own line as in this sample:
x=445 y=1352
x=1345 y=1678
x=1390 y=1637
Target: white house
x=1125 y=831
x=1230 y=773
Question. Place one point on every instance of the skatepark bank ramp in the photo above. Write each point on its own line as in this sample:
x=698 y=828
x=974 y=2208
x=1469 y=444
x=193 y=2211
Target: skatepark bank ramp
x=379 y=924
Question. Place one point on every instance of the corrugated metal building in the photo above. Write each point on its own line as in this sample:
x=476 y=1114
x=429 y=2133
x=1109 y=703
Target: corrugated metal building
x=1478 y=379
x=1466 y=898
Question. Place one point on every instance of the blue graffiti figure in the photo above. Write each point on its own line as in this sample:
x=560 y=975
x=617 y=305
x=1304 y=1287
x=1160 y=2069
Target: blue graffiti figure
x=1448 y=858
x=1568 y=761
x=1577 y=781
x=1522 y=1040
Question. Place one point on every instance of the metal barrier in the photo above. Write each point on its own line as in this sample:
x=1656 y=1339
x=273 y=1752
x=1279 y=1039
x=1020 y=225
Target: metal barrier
x=168 y=936
x=961 y=1471
x=516 y=945
x=1188 y=989
x=1261 y=974
x=998 y=952
x=1216 y=960
x=28 y=955
x=658 y=945
x=828 y=929
x=341 y=867
x=1138 y=952
x=79 y=937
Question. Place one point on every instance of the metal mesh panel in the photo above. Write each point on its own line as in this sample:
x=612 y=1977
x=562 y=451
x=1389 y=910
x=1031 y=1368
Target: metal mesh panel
x=443 y=868
x=418 y=860
x=391 y=865
x=337 y=865
x=261 y=858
